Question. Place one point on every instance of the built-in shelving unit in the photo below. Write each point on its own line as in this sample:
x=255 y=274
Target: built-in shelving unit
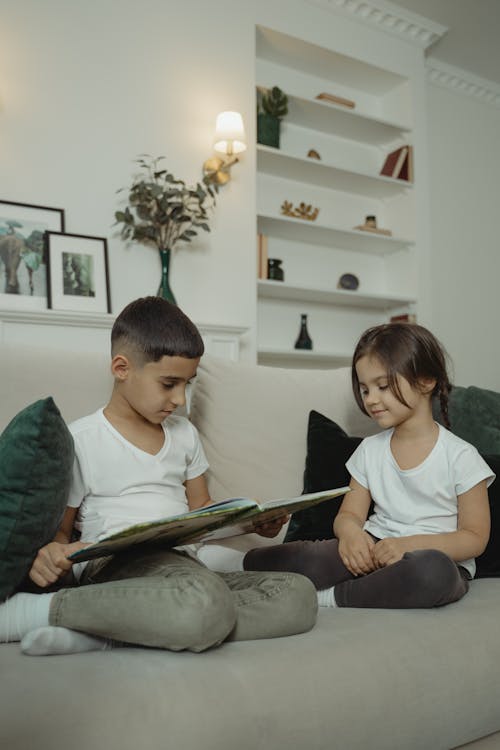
x=344 y=185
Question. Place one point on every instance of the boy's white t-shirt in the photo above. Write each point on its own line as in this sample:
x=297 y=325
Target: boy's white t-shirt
x=115 y=484
x=421 y=500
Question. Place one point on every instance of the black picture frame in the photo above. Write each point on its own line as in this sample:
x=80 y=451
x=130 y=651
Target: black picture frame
x=23 y=260
x=77 y=273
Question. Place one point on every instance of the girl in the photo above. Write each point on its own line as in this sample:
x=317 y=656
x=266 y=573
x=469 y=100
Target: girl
x=429 y=489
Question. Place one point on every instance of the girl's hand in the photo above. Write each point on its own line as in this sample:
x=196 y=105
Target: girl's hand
x=356 y=552
x=389 y=551
x=51 y=562
x=271 y=528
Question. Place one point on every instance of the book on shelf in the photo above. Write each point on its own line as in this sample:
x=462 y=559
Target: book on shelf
x=262 y=272
x=325 y=97
x=394 y=162
x=231 y=517
x=403 y=318
x=406 y=171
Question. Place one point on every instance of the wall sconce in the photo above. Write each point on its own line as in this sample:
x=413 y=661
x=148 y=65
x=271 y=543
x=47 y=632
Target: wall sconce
x=229 y=140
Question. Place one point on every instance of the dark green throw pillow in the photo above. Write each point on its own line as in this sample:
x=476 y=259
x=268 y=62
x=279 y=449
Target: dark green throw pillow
x=328 y=449
x=488 y=564
x=36 y=461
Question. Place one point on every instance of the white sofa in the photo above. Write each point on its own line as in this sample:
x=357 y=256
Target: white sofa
x=408 y=680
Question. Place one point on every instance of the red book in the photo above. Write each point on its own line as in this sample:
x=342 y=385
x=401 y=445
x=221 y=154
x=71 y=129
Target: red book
x=394 y=162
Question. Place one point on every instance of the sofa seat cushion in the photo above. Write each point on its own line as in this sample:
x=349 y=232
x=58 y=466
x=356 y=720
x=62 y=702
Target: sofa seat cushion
x=360 y=679
x=36 y=460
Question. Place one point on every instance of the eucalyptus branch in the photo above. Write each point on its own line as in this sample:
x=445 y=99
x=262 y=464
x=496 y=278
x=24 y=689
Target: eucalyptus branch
x=163 y=210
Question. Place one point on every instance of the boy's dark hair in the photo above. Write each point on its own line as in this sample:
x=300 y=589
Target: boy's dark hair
x=409 y=350
x=151 y=328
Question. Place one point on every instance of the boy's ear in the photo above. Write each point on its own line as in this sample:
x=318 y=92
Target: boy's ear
x=120 y=367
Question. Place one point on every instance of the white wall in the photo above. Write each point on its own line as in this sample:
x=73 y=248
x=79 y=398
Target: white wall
x=87 y=86
x=464 y=154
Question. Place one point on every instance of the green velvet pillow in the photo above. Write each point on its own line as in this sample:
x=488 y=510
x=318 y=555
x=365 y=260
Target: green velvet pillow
x=36 y=461
x=474 y=416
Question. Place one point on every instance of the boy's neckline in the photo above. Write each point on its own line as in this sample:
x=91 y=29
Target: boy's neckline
x=142 y=447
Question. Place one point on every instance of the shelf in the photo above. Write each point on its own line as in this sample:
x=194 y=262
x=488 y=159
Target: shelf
x=312 y=232
x=325 y=64
x=343 y=122
x=339 y=297
x=281 y=164
x=302 y=357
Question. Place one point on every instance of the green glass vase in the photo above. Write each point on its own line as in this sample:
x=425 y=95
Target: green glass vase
x=164 y=288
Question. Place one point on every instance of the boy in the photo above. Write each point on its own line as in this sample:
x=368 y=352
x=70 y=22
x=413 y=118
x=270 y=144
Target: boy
x=136 y=461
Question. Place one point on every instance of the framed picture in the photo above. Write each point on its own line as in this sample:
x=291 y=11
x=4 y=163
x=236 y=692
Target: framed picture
x=23 y=260
x=78 y=278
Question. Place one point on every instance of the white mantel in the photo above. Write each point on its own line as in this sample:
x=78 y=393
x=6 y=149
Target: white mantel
x=89 y=332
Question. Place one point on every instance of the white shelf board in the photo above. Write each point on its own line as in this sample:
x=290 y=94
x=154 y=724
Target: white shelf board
x=323 y=63
x=339 y=297
x=312 y=232
x=334 y=119
x=290 y=167
x=302 y=357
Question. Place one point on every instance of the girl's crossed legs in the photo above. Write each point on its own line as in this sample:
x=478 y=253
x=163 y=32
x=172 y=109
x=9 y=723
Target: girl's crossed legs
x=424 y=578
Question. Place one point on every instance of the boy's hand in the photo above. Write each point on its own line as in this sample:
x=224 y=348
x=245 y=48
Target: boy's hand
x=51 y=562
x=271 y=528
x=356 y=552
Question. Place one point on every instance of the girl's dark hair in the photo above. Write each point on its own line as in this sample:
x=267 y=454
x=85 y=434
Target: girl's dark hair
x=408 y=350
x=151 y=328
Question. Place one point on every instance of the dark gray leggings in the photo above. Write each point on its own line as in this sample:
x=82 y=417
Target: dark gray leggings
x=424 y=578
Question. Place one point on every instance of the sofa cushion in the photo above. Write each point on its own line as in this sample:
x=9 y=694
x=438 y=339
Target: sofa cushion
x=36 y=459
x=474 y=415
x=328 y=449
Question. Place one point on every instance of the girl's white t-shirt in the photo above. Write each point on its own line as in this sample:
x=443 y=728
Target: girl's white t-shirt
x=116 y=485
x=421 y=500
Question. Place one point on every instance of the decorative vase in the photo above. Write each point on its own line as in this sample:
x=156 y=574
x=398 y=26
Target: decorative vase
x=274 y=270
x=304 y=341
x=164 y=288
x=268 y=130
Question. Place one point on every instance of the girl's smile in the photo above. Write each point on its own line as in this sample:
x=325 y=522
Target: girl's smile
x=381 y=403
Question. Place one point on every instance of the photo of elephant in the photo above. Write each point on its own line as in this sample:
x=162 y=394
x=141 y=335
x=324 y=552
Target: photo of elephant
x=22 y=257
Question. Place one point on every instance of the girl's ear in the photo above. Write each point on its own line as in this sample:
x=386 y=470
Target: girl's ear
x=427 y=385
x=120 y=367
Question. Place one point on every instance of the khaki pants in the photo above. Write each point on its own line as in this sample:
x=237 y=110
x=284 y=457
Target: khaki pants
x=165 y=599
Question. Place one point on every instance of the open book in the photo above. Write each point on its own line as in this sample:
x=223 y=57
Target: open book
x=228 y=518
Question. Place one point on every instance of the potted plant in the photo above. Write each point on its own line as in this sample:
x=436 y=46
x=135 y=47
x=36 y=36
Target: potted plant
x=272 y=106
x=163 y=211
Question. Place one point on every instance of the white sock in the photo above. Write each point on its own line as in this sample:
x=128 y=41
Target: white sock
x=22 y=613
x=54 y=640
x=326 y=597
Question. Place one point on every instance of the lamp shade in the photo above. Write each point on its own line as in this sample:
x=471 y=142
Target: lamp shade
x=229 y=133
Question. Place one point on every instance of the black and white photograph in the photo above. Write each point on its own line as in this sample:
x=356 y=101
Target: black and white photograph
x=78 y=278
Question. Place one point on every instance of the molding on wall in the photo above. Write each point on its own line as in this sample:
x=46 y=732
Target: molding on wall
x=462 y=82
x=57 y=318
x=389 y=17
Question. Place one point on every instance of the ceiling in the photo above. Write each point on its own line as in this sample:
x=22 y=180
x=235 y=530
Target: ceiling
x=471 y=42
